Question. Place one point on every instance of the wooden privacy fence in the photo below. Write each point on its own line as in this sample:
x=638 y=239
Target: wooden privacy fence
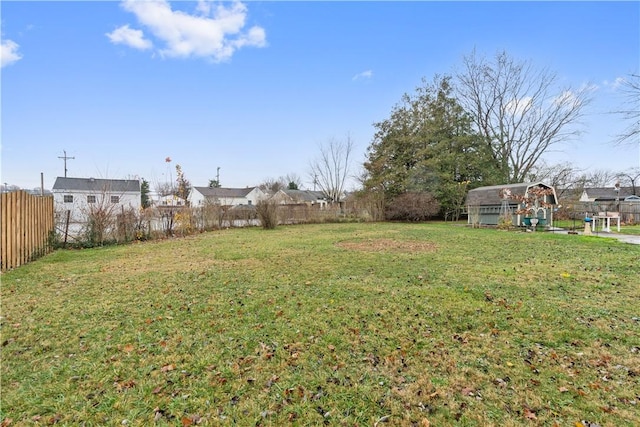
x=27 y=222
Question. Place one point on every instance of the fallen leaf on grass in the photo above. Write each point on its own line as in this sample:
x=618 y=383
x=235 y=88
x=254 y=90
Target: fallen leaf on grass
x=529 y=414
x=272 y=381
x=124 y=385
x=167 y=368
x=467 y=391
x=584 y=423
x=563 y=389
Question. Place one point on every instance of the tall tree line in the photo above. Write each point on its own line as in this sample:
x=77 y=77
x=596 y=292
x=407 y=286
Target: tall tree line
x=489 y=124
x=428 y=145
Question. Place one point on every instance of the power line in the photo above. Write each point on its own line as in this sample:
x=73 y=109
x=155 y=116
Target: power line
x=65 y=158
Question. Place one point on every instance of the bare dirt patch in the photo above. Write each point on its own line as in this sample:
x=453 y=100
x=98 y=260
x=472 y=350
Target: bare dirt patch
x=388 y=245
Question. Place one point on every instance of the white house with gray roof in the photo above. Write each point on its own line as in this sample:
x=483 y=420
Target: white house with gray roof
x=80 y=196
x=226 y=196
x=608 y=194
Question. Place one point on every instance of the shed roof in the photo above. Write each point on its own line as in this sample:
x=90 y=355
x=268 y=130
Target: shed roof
x=96 y=185
x=224 y=192
x=490 y=195
x=304 y=195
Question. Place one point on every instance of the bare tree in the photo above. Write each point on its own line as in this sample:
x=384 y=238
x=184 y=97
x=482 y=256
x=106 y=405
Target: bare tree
x=518 y=110
x=293 y=180
x=164 y=188
x=272 y=185
x=630 y=178
x=329 y=171
x=290 y=181
x=596 y=178
x=562 y=176
x=630 y=110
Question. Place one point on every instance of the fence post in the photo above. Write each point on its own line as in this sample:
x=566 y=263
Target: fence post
x=66 y=228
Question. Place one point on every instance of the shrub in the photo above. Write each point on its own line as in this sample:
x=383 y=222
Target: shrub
x=412 y=206
x=267 y=212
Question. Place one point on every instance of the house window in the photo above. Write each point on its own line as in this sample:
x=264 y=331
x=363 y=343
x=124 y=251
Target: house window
x=249 y=202
x=91 y=199
x=115 y=199
x=68 y=198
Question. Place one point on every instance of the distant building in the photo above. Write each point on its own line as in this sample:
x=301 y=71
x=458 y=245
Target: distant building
x=226 y=196
x=81 y=196
x=300 y=197
x=486 y=205
x=606 y=194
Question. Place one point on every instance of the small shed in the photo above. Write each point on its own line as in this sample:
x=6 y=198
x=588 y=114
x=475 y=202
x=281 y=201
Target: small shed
x=486 y=205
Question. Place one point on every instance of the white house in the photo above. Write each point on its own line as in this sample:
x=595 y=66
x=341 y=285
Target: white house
x=226 y=196
x=607 y=194
x=168 y=200
x=80 y=196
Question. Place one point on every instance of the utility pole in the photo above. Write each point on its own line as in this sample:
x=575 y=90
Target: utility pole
x=218 y=176
x=65 y=158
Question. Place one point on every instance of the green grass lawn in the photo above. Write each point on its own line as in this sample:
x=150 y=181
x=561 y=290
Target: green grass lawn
x=337 y=324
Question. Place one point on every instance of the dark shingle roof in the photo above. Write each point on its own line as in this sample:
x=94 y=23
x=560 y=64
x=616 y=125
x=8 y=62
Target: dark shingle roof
x=96 y=185
x=304 y=195
x=490 y=195
x=224 y=192
x=608 y=193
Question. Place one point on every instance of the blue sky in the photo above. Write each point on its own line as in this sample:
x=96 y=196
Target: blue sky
x=255 y=87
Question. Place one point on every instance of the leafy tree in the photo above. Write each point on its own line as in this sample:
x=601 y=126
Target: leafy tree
x=183 y=184
x=292 y=186
x=144 y=193
x=518 y=110
x=213 y=183
x=428 y=144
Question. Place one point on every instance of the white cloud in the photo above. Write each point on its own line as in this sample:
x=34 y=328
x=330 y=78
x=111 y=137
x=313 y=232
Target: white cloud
x=129 y=37
x=365 y=75
x=519 y=106
x=567 y=98
x=9 y=53
x=614 y=85
x=214 y=32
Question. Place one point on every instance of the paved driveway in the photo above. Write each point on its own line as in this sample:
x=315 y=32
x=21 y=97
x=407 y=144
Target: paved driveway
x=627 y=238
